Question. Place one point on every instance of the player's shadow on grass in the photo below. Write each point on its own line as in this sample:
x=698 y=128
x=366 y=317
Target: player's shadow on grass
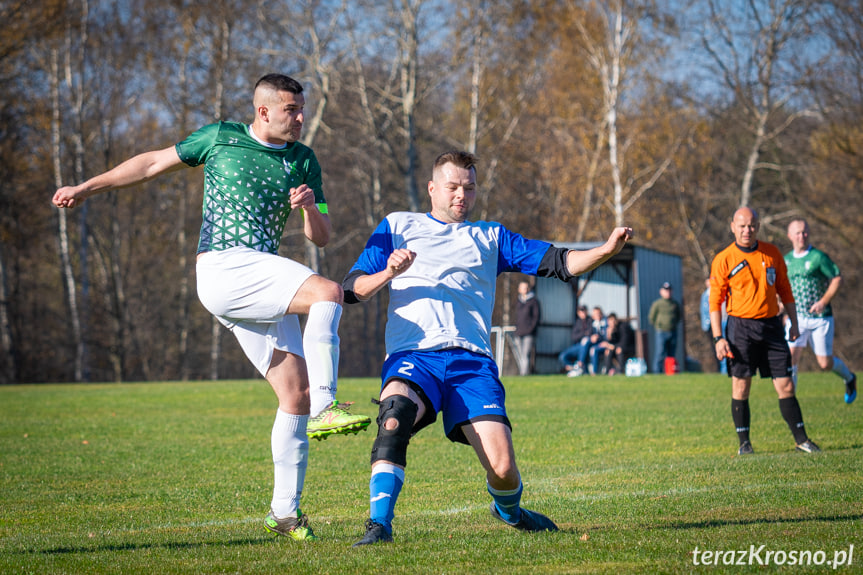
x=133 y=546
x=760 y=521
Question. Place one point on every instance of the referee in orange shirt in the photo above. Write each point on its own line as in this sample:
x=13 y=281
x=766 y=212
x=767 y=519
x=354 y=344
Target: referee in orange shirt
x=748 y=275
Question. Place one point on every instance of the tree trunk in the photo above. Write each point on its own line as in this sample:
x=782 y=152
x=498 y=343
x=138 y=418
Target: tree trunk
x=219 y=76
x=409 y=70
x=63 y=230
x=7 y=349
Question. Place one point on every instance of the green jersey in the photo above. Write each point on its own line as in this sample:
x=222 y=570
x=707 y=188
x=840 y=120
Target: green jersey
x=810 y=275
x=247 y=185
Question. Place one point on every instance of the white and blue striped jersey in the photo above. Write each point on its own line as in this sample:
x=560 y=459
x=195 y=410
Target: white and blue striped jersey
x=446 y=298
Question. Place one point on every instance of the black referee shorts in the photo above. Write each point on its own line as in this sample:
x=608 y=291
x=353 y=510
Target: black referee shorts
x=758 y=345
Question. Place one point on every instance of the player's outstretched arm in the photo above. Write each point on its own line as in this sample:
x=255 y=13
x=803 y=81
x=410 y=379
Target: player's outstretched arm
x=135 y=170
x=580 y=262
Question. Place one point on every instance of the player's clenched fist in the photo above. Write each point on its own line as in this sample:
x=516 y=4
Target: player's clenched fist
x=400 y=260
x=67 y=197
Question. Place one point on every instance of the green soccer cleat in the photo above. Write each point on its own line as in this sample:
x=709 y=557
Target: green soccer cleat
x=297 y=528
x=337 y=418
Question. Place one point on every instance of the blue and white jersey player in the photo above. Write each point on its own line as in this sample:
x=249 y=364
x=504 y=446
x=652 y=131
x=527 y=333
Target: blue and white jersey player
x=441 y=271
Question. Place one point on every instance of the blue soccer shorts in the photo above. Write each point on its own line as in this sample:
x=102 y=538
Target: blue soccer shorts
x=462 y=385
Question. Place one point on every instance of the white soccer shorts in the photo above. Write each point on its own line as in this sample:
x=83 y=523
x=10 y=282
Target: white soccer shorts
x=249 y=292
x=817 y=332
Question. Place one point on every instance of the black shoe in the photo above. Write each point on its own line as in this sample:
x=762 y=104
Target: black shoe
x=530 y=520
x=375 y=533
x=851 y=389
x=745 y=449
x=808 y=446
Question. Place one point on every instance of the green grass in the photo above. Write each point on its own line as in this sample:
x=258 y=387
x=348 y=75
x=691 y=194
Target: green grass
x=638 y=472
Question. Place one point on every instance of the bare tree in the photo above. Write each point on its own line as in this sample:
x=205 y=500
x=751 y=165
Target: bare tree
x=611 y=50
x=390 y=99
x=7 y=375
x=63 y=229
x=408 y=71
x=497 y=92
x=752 y=45
x=313 y=29
x=223 y=34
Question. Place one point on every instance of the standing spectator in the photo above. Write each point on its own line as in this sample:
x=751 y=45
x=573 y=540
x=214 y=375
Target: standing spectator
x=527 y=313
x=619 y=345
x=721 y=365
x=748 y=276
x=574 y=358
x=255 y=176
x=664 y=316
x=440 y=269
x=815 y=279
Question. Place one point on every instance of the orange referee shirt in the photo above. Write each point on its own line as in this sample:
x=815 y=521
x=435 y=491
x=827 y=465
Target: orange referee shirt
x=749 y=280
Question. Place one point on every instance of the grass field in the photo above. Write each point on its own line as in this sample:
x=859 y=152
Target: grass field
x=638 y=473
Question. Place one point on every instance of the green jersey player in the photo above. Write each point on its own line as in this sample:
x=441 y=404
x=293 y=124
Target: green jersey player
x=254 y=176
x=815 y=279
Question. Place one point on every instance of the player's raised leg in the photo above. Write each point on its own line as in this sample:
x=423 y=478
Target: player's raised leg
x=321 y=300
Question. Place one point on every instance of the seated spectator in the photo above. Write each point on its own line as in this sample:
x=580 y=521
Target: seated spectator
x=598 y=334
x=574 y=358
x=619 y=345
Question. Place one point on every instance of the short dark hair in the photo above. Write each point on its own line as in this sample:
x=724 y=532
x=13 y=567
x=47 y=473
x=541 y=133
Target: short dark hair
x=459 y=158
x=281 y=83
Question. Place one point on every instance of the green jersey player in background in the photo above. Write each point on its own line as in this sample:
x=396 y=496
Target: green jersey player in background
x=255 y=175
x=815 y=279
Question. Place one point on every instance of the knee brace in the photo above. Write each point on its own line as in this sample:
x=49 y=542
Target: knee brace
x=392 y=444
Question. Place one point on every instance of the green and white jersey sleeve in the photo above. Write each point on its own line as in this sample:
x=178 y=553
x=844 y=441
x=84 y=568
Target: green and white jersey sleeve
x=810 y=275
x=247 y=185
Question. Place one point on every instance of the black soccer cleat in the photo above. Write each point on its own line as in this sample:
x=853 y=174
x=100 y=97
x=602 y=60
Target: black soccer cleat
x=745 y=449
x=851 y=389
x=375 y=533
x=808 y=446
x=530 y=520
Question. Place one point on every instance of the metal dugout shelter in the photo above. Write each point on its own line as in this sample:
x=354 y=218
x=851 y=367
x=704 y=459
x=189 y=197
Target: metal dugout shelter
x=626 y=285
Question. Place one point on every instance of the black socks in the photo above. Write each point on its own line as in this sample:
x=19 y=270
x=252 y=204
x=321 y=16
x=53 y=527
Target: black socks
x=792 y=415
x=741 y=417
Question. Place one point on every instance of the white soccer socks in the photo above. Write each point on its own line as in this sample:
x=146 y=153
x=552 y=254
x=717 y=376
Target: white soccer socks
x=290 y=459
x=321 y=348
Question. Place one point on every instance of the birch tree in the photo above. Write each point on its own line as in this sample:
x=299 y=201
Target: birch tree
x=502 y=76
x=614 y=48
x=753 y=45
x=314 y=29
x=71 y=289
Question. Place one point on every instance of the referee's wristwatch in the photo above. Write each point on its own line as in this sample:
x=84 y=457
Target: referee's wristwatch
x=716 y=339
